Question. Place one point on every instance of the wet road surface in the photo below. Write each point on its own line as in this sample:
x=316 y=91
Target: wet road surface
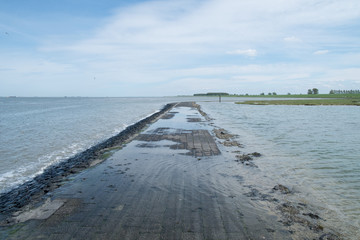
x=171 y=182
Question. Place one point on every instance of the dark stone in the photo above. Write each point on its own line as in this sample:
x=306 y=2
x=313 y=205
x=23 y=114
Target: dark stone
x=243 y=158
x=229 y=143
x=270 y=230
x=282 y=189
x=222 y=134
x=49 y=179
x=256 y=154
x=311 y=215
x=329 y=236
x=257 y=195
x=288 y=208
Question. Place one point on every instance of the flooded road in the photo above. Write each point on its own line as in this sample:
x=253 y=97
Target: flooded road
x=173 y=181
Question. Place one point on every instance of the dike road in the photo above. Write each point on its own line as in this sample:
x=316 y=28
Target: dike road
x=172 y=181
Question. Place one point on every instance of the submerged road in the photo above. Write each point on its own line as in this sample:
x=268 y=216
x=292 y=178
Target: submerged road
x=171 y=182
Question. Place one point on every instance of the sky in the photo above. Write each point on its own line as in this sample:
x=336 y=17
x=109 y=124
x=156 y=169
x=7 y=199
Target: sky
x=127 y=48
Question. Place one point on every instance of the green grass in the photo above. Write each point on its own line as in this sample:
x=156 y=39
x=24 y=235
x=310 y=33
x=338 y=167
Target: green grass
x=308 y=102
x=106 y=155
x=357 y=96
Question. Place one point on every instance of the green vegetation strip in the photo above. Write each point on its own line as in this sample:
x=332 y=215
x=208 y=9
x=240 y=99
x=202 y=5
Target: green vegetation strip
x=357 y=96
x=307 y=102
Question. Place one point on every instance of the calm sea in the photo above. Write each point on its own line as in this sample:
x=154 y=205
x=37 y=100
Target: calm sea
x=314 y=150
x=38 y=132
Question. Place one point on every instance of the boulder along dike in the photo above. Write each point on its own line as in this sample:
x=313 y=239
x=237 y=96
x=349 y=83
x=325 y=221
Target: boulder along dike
x=36 y=189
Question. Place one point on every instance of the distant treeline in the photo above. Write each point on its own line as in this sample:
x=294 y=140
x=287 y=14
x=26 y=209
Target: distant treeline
x=212 y=94
x=344 y=91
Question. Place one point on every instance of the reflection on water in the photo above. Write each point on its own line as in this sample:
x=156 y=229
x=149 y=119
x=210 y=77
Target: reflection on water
x=312 y=149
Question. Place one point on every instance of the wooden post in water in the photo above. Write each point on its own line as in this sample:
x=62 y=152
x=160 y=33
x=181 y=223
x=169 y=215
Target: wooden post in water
x=219 y=98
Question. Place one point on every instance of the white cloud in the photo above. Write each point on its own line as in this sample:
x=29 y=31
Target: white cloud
x=321 y=52
x=159 y=41
x=292 y=39
x=248 y=52
x=168 y=27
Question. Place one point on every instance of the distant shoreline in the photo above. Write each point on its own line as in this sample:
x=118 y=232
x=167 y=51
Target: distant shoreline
x=344 y=95
x=307 y=102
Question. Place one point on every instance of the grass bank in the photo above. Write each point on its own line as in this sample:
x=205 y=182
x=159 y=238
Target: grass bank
x=308 y=102
x=356 y=96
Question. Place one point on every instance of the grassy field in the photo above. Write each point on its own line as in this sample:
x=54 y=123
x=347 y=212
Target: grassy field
x=356 y=96
x=302 y=99
x=307 y=102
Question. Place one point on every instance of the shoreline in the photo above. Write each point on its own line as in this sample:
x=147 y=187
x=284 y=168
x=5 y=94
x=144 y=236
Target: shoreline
x=179 y=170
x=51 y=178
x=307 y=102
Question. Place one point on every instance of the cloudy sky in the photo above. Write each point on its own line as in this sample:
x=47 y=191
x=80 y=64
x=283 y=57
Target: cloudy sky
x=177 y=47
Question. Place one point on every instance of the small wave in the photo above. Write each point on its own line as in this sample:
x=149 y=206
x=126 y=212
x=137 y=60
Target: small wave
x=28 y=171
x=11 y=179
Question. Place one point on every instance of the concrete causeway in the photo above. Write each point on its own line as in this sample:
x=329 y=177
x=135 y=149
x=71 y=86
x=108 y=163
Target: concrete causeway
x=168 y=183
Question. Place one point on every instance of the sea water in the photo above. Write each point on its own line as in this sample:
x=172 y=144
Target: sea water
x=38 y=132
x=313 y=150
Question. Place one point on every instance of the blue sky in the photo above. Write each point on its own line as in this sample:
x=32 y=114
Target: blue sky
x=163 y=48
